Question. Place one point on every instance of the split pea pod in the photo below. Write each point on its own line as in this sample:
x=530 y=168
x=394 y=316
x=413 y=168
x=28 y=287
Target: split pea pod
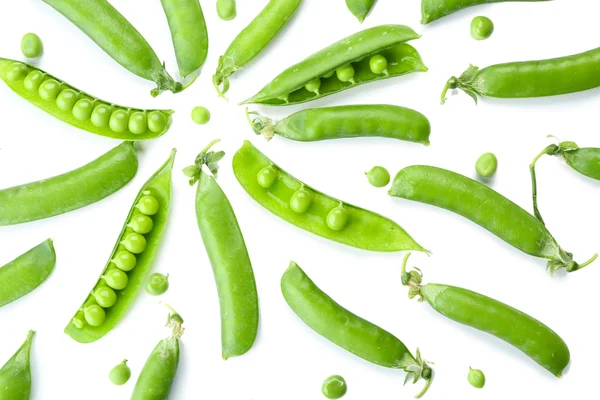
x=528 y=79
x=347 y=330
x=15 y=375
x=378 y=120
x=114 y=34
x=360 y=8
x=518 y=329
x=80 y=109
x=313 y=211
x=252 y=40
x=25 y=273
x=228 y=256
x=487 y=208
x=432 y=10
x=70 y=191
x=367 y=56
x=129 y=262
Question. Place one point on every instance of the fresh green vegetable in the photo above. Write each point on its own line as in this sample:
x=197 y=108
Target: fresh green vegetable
x=120 y=374
x=226 y=9
x=378 y=176
x=334 y=387
x=360 y=8
x=481 y=28
x=476 y=378
x=200 y=115
x=333 y=219
x=15 y=375
x=130 y=261
x=432 y=10
x=486 y=165
x=31 y=45
x=157 y=284
x=70 y=191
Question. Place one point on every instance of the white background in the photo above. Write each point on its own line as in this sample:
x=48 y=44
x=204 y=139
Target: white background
x=290 y=361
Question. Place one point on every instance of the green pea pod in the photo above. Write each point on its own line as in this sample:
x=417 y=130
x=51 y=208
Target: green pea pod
x=114 y=34
x=316 y=212
x=360 y=8
x=354 y=54
x=432 y=10
x=252 y=40
x=15 y=375
x=70 y=191
x=527 y=334
x=129 y=262
x=80 y=109
x=229 y=258
x=487 y=208
x=188 y=30
x=347 y=330
x=25 y=273
x=315 y=124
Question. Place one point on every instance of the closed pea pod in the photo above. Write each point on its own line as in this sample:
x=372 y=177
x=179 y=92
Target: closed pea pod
x=432 y=10
x=15 y=375
x=360 y=8
x=347 y=330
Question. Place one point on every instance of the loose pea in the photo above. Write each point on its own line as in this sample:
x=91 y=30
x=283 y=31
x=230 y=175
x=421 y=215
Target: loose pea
x=200 y=115
x=83 y=109
x=337 y=218
x=486 y=165
x=345 y=73
x=124 y=260
x=100 y=116
x=94 y=315
x=31 y=45
x=476 y=378
x=157 y=121
x=49 y=90
x=300 y=201
x=120 y=374
x=378 y=176
x=157 y=284
x=135 y=243
x=334 y=387
x=16 y=72
x=378 y=64
x=141 y=224
x=148 y=205
x=481 y=28
x=138 y=123
x=116 y=279
x=266 y=177
x=313 y=86
x=33 y=80
x=118 y=121
x=66 y=100
x=226 y=9
x=105 y=297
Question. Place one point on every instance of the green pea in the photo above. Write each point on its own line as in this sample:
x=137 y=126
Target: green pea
x=300 y=201
x=148 y=205
x=83 y=109
x=33 y=80
x=157 y=284
x=481 y=28
x=334 y=387
x=119 y=120
x=226 y=9
x=328 y=75
x=138 y=123
x=141 y=224
x=157 y=121
x=313 y=86
x=100 y=116
x=105 y=297
x=266 y=177
x=120 y=374
x=476 y=378
x=200 y=115
x=134 y=242
x=78 y=322
x=17 y=72
x=337 y=218
x=345 y=73
x=31 y=45
x=116 y=279
x=66 y=100
x=378 y=176
x=378 y=64
x=49 y=90
x=124 y=260
x=94 y=315
x=486 y=165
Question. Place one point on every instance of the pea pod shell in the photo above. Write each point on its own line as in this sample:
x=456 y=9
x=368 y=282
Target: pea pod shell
x=156 y=379
x=360 y=8
x=432 y=10
x=70 y=191
x=25 y=273
x=15 y=375
x=585 y=160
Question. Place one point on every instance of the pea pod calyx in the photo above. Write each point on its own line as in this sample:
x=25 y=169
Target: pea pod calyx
x=464 y=82
x=261 y=125
x=206 y=157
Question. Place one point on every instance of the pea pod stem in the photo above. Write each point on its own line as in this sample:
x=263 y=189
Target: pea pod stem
x=550 y=150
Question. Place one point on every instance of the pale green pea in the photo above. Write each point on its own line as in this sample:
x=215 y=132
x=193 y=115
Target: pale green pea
x=100 y=116
x=300 y=201
x=157 y=121
x=476 y=378
x=116 y=279
x=33 y=80
x=313 y=86
x=78 y=322
x=337 y=219
x=157 y=284
x=83 y=109
x=17 y=72
x=141 y=224
x=66 y=100
x=378 y=64
x=105 y=297
x=94 y=315
x=226 y=9
x=119 y=119
x=378 y=176
x=200 y=115
x=31 y=45
x=266 y=177
x=120 y=374
x=481 y=28
x=345 y=73
x=138 y=123
x=148 y=205
x=124 y=260
x=49 y=90
x=135 y=243
x=486 y=165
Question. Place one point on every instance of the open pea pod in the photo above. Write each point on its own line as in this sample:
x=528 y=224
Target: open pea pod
x=367 y=56
x=129 y=262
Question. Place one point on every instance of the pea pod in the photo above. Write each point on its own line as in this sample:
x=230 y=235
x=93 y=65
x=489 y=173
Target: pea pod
x=80 y=109
x=229 y=258
x=360 y=8
x=114 y=34
x=316 y=212
x=432 y=10
x=347 y=330
x=343 y=65
x=70 y=191
x=25 y=273
x=487 y=208
x=315 y=124
x=252 y=40
x=527 y=334
x=129 y=262
x=15 y=375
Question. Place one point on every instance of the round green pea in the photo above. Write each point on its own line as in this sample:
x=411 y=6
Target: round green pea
x=378 y=64
x=65 y=101
x=31 y=45
x=157 y=284
x=49 y=90
x=33 y=80
x=116 y=279
x=481 y=28
x=94 y=315
x=200 y=115
x=300 y=201
x=157 y=121
x=100 y=116
x=105 y=297
x=328 y=75
x=486 y=165
x=345 y=73
x=337 y=218
x=141 y=224
x=119 y=119
x=334 y=387
x=226 y=9
x=378 y=176
x=313 y=86
x=148 y=205
x=17 y=72
x=266 y=177
x=78 y=322
x=124 y=260
x=83 y=109
x=138 y=123
x=476 y=378
x=120 y=374
x=134 y=242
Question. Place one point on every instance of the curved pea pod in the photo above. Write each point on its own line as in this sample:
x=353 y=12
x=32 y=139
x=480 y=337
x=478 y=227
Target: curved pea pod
x=347 y=330
x=130 y=261
x=80 y=109
x=487 y=208
x=516 y=328
x=70 y=191
x=15 y=375
x=252 y=40
x=378 y=120
x=316 y=212
x=354 y=52
x=25 y=273
x=360 y=8
x=432 y=10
